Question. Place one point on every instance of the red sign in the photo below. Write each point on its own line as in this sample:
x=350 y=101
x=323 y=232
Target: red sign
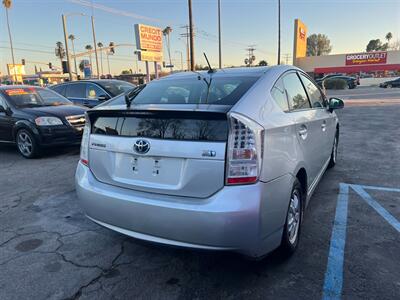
x=368 y=58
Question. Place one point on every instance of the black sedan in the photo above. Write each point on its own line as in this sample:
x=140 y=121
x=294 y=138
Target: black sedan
x=34 y=117
x=391 y=83
x=352 y=82
x=92 y=92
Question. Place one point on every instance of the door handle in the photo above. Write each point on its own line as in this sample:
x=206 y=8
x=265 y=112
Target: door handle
x=323 y=126
x=303 y=131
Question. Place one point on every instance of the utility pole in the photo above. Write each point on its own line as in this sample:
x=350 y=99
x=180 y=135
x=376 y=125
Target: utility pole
x=95 y=47
x=7 y=5
x=72 y=38
x=279 y=32
x=178 y=51
x=191 y=36
x=66 y=46
x=219 y=34
x=251 y=57
x=186 y=36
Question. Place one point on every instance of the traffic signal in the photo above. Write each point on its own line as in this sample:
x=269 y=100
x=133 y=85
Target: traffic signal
x=50 y=65
x=112 y=49
x=23 y=61
x=65 y=67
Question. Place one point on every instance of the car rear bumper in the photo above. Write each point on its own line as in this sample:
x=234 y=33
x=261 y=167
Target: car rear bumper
x=248 y=219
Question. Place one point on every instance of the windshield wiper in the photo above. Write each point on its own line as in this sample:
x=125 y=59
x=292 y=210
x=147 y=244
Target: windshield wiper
x=131 y=95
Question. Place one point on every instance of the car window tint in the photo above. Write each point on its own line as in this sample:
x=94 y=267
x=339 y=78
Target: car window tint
x=279 y=95
x=314 y=94
x=295 y=92
x=76 y=90
x=50 y=97
x=59 y=89
x=93 y=91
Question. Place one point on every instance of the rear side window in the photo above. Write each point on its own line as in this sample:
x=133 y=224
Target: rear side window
x=76 y=90
x=297 y=96
x=279 y=95
x=93 y=92
x=59 y=89
x=314 y=94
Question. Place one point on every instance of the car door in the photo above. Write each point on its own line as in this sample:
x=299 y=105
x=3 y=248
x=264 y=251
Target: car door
x=95 y=95
x=307 y=125
x=76 y=92
x=322 y=116
x=6 y=123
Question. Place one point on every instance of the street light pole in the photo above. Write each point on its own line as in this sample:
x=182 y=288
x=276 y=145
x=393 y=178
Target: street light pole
x=7 y=5
x=191 y=36
x=219 y=34
x=279 y=32
x=178 y=51
x=95 y=47
x=66 y=46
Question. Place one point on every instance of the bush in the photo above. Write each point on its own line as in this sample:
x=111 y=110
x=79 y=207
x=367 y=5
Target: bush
x=335 y=84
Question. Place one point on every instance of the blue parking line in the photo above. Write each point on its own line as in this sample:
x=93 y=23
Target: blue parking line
x=378 y=188
x=334 y=272
x=375 y=205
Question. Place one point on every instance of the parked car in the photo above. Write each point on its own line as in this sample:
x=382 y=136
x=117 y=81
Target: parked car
x=34 y=118
x=352 y=82
x=221 y=160
x=92 y=92
x=391 y=83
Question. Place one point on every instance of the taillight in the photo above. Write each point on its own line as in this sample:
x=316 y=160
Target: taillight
x=244 y=152
x=85 y=142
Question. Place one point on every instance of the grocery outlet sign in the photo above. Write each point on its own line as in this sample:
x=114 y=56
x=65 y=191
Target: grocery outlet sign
x=368 y=58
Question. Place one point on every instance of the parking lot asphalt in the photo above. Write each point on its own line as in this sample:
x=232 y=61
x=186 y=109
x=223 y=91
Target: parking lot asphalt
x=49 y=250
x=363 y=93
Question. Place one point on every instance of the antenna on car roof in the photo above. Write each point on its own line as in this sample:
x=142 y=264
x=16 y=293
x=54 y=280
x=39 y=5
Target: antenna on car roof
x=210 y=69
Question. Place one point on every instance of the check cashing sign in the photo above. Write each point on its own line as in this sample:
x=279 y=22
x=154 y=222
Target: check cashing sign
x=368 y=58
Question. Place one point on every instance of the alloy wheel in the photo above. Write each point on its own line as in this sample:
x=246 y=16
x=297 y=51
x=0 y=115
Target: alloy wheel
x=25 y=143
x=293 y=217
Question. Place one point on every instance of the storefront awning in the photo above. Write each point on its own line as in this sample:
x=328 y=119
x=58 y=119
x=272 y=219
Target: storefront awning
x=357 y=69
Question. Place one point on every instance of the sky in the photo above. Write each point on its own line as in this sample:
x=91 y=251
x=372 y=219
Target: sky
x=36 y=27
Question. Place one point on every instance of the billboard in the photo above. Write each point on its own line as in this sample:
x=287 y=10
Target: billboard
x=300 y=40
x=150 y=56
x=16 y=71
x=369 y=58
x=149 y=40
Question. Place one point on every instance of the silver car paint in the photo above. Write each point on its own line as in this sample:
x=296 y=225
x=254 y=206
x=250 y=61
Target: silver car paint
x=249 y=218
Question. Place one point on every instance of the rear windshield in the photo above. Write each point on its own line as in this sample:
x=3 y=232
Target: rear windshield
x=165 y=125
x=115 y=87
x=194 y=90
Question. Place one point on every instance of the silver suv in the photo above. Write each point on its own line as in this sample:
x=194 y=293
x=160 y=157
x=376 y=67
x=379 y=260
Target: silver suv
x=220 y=160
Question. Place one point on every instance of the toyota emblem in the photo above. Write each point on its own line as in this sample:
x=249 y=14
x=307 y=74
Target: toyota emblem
x=141 y=146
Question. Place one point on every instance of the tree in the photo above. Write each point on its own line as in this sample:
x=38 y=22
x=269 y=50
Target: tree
x=376 y=45
x=318 y=44
x=263 y=63
x=125 y=72
x=82 y=65
x=389 y=36
x=89 y=48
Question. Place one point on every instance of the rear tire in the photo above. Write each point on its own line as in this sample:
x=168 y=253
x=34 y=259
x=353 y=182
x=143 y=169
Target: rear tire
x=332 y=161
x=294 y=218
x=26 y=144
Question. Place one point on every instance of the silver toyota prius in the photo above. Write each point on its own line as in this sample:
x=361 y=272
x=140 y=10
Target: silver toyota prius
x=222 y=160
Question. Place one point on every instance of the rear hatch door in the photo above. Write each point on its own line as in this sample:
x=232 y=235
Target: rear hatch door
x=179 y=153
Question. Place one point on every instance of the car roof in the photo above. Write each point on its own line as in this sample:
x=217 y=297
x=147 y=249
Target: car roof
x=96 y=81
x=20 y=86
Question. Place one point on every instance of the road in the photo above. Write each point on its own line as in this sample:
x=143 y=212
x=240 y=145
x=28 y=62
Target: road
x=49 y=250
x=366 y=94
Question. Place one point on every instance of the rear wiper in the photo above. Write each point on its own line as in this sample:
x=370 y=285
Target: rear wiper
x=129 y=96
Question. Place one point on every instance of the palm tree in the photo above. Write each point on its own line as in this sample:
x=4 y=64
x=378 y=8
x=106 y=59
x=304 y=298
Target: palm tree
x=389 y=36
x=89 y=48
x=72 y=38
x=167 y=30
x=100 y=45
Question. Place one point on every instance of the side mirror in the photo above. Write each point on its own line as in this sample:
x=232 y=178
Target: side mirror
x=103 y=98
x=335 y=103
